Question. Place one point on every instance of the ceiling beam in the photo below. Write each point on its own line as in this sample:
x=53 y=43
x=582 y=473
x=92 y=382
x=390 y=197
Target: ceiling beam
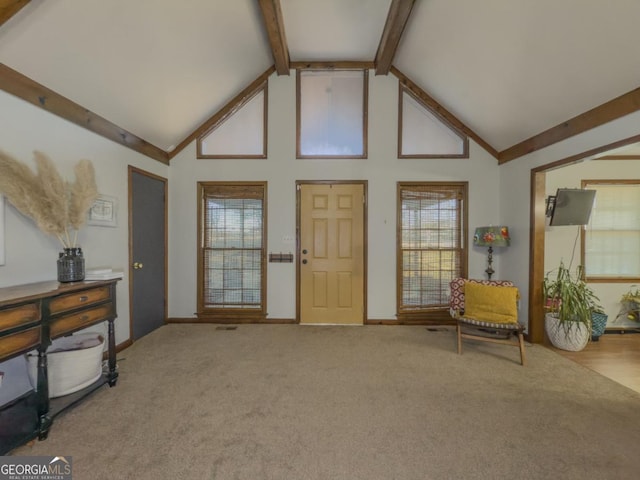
x=397 y=17
x=339 y=65
x=233 y=105
x=618 y=157
x=274 y=24
x=23 y=87
x=611 y=110
x=8 y=8
x=443 y=112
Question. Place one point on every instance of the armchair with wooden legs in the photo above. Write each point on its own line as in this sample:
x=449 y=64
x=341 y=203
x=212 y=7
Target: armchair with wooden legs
x=486 y=310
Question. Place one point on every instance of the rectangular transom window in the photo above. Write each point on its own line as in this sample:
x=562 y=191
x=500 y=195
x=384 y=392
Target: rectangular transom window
x=431 y=245
x=332 y=113
x=612 y=237
x=232 y=249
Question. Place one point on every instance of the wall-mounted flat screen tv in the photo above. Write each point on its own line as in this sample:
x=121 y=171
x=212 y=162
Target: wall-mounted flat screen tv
x=571 y=206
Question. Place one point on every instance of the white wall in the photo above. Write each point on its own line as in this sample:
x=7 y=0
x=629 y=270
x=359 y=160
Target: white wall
x=31 y=255
x=559 y=241
x=382 y=170
x=515 y=191
x=497 y=195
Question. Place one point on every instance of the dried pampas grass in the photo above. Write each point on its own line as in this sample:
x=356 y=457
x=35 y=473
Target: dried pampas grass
x=55 y=205
x=17 y=183
x=83 y=193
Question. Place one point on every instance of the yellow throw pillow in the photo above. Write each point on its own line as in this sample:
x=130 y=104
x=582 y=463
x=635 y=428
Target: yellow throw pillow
x=491 y=303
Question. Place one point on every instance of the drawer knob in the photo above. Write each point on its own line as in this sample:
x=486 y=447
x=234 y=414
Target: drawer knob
x=84 y=298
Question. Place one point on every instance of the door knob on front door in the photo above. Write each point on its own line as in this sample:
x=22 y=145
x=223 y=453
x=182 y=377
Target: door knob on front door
x=137 y=265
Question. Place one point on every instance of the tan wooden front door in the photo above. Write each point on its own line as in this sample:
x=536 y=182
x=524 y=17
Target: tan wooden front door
x=331 y=253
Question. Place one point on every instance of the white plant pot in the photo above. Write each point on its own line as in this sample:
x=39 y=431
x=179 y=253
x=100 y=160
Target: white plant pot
x=73 y=363
x=571 y=336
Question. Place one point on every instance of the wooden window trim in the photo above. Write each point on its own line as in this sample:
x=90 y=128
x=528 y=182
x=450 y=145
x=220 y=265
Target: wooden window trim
x=262 y=87
x=583 y=230
x=231 y=314
x=365 y=114
x=465 y=139
x=436 y=314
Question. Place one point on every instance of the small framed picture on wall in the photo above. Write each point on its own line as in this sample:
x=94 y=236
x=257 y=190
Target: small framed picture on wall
x=104 y=212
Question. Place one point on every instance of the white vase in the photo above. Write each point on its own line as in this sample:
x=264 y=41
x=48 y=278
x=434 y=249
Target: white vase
x=571 y=336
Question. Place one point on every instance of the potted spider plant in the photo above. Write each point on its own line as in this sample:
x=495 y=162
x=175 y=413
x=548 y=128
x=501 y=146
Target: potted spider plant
x=569 y=305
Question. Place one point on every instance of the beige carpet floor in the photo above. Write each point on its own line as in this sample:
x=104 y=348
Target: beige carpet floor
x=373 y=402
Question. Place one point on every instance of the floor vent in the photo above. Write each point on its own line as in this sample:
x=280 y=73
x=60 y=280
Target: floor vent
x=234 y=327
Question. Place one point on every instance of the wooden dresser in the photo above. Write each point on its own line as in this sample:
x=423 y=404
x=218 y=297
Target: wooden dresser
x=31 y=316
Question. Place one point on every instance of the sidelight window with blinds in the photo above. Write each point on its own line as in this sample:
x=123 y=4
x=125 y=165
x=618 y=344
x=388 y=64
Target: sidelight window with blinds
x=232 y=250
x=431 y=246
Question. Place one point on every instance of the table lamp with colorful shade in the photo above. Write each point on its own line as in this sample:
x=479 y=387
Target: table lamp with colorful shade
x=491 y=237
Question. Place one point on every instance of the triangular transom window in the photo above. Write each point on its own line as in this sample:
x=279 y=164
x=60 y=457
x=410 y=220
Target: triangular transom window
x=424 y=134
x=241 y=133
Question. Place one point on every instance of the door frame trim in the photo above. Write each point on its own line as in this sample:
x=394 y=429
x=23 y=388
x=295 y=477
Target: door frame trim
x=365 y=237
x=130 y=171
x=537 y=221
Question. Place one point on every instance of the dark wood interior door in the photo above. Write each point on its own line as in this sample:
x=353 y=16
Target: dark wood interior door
x=148 y=255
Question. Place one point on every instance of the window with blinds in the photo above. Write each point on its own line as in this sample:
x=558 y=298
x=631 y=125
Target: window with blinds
x=431 y=244
x=611 y=240
x=232 y=253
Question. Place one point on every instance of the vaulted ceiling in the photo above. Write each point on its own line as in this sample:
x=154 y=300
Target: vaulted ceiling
x=518 y=74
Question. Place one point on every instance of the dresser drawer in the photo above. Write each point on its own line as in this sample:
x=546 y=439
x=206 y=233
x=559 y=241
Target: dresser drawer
x=79 y=299
x=75 y=321
x=20 y=342
x=16 y=316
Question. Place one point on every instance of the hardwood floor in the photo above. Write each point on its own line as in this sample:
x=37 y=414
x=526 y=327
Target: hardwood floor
x=615 y=355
